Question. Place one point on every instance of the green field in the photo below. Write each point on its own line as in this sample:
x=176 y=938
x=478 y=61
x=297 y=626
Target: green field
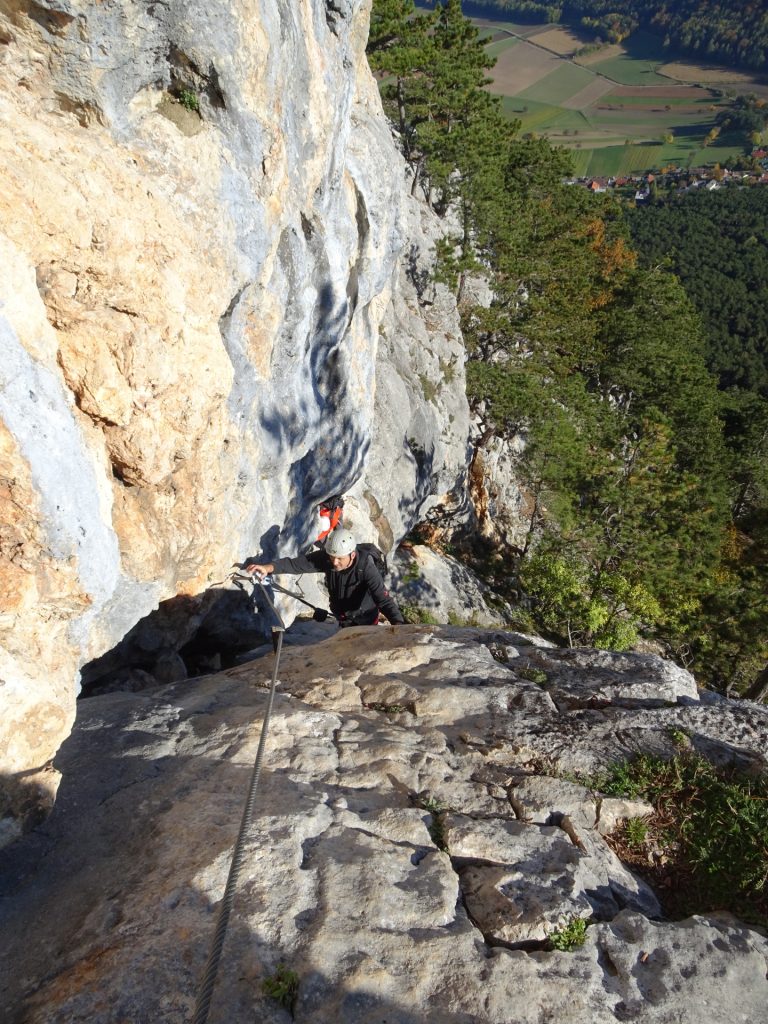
x=638 y=65
x=497 y=48
x=560 y=85
x=642 y=124
x=670 y=100
x=543 y=118
x=618 y=160
x=608 y=132
x=581 y=159
x=636 y=158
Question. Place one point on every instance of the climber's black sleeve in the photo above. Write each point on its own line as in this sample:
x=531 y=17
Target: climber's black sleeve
x=315 y=561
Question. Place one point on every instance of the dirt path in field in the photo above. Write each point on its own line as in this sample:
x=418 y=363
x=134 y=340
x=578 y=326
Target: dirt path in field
x=526 y=64
x=509 y=79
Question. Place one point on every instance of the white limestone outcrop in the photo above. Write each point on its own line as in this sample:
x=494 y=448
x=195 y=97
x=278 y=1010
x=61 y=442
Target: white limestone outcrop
x=192 y=307
x=410 y=849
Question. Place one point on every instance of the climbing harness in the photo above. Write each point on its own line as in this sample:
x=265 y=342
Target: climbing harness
x=205 y=991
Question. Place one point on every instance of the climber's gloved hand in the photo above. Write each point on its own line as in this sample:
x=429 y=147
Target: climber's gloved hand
x=260 y=570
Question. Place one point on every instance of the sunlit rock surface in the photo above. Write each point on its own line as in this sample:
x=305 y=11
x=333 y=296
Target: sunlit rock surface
x=411 y=848
x=443 y=589
x=191 y=308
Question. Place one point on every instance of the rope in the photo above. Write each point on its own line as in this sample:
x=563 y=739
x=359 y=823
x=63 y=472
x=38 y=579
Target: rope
x=321 y=614
x=237 y=578
x=205 y=991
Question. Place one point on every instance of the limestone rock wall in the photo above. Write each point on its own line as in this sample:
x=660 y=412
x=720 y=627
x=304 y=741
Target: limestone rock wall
x=414 y=844
x=191 y=306
x=439 y=588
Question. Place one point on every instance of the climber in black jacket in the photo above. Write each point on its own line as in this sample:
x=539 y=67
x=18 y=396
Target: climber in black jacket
x=355 y=588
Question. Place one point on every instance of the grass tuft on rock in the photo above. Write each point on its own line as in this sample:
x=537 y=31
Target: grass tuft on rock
x=417 y=615
x=189 y=100
x=436 y=827
x=569 y=937
x=282 y=986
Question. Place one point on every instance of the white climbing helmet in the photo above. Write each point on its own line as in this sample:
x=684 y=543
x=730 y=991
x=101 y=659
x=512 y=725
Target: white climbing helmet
x=340 y=543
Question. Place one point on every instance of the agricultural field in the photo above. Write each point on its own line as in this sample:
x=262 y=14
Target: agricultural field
x=622 y=109
x=637 y=61
x=563 y=41
x=715 y=76
x=521 y=67
x=499 y=43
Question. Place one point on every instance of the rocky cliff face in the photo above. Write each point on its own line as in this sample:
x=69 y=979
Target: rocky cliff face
x=209 y=303
x=413 y=846
x=215 y=309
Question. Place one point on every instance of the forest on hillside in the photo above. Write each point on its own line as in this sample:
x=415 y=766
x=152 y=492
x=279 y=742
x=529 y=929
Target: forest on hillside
x=711 y=30
x=727 y=281
x=645 y=470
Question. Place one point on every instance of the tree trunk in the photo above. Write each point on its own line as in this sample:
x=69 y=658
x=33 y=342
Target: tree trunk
x=401 y=116
x=417 y=179
x=759 y=689
x=460 y=289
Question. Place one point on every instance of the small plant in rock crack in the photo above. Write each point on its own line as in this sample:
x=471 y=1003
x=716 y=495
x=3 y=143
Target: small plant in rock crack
x=189 y=100
x=282 y=986
x=680 y=738
x=387 y=709
x=412 y=573
x=570 y=936
x=436 y=827
x=635 y=831
x=533 y=675
x=416 y=615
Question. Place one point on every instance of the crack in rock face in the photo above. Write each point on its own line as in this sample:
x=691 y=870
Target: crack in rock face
x=387 y=866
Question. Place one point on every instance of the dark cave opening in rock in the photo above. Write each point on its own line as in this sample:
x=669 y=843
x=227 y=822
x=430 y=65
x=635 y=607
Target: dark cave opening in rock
x=185 y=637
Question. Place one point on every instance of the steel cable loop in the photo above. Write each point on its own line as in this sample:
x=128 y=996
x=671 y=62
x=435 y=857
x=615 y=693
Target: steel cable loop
x=202 y=1007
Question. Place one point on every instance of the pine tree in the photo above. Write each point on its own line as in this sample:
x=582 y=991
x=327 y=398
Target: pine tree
x=400 y=50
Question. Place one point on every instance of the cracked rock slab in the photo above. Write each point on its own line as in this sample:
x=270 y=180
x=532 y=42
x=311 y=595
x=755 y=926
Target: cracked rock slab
x=345 y=880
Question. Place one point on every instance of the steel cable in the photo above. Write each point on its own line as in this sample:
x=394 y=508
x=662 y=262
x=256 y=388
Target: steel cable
x=202 y=1007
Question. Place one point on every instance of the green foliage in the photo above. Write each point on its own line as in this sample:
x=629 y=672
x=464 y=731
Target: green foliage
x=747 y=114
x=604 y=611
x=414 y=613
x=570 y=936
x=680 y=738
x=725 y=281
x=388 y=709
x=716 y=826
x=728 y=632
x=533 y=675
x=470 y=622
x=189 y=100
x=436 y=825
x=635 y=831
x=412 y=573
x=729 y=635
x=452 y=131
x=282 y=986
x=623 y=451
x=429 y=389
x=642 y=520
